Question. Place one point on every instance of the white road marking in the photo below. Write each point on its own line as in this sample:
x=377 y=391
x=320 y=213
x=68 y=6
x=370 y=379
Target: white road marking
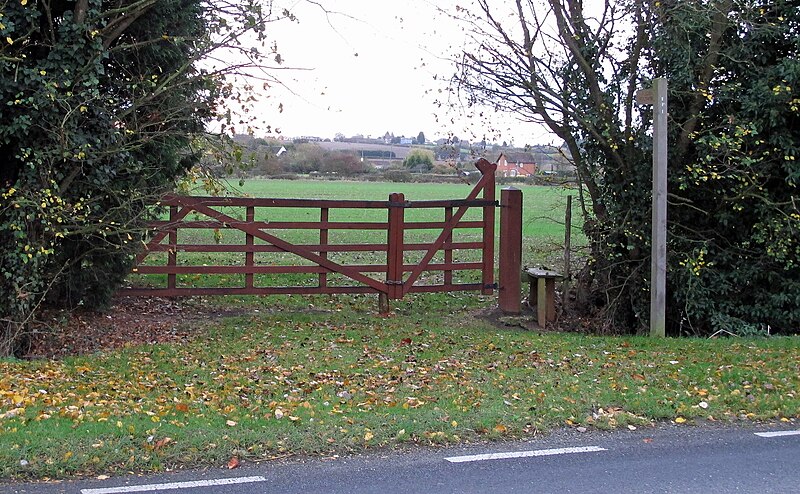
x=524 y=454
x=778 y=433
x=174 y=485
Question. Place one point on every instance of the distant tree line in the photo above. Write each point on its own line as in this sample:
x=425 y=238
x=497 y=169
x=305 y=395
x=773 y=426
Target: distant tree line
x=275 y=158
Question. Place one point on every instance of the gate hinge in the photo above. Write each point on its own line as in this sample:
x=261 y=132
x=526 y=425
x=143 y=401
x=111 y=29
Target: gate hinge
x=393 y=282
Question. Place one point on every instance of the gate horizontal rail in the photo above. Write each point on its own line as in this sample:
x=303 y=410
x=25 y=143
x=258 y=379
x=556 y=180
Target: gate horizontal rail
x=263 y=236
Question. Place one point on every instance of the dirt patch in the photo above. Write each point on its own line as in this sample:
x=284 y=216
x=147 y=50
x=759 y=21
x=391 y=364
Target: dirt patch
x=527 y=320
x=129 y=321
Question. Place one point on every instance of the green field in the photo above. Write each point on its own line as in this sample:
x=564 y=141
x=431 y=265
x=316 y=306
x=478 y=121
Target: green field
x=543 y=206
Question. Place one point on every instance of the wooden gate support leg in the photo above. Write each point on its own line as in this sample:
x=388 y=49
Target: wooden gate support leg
x=510 y=250
x=383 y=304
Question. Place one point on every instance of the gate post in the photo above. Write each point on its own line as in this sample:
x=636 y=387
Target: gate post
x=510 y=250
x=394 y=252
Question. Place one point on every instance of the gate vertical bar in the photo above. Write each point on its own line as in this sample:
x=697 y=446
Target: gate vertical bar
x=488 y=236
x=323 y=241
x=448 y=251
x=510 y=249
x=172 y=256
x=394 y=255
x=249 y=256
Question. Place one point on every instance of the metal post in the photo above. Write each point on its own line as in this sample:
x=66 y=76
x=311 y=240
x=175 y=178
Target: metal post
x=510 y=249
x=658 y=266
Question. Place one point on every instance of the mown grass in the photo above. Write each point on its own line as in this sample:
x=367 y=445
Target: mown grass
x=327 y=375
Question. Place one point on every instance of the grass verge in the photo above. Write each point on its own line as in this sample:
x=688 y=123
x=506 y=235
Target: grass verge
x=334 y=377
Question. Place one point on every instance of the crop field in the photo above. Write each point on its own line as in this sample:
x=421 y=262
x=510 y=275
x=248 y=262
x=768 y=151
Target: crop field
x=543 y=230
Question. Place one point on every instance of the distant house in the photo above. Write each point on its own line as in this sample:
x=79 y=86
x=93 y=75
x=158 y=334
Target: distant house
x=515 y=165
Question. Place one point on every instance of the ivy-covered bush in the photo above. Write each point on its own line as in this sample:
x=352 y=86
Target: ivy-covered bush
x=101 y=107
x=735 y=216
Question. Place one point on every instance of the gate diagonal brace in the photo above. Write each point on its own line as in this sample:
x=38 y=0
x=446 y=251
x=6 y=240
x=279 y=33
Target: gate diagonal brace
x=161 y=235
x=285 y=246
x=446 y=231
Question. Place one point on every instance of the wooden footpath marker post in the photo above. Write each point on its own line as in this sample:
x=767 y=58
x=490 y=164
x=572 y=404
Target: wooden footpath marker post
x=657 y=96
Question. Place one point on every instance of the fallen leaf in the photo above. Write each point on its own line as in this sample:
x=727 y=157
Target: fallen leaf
x=647 y=440
x=368 y=436
x=163 y=442
x=680 y=420
x=500 y=429
x=230 y=423
x=233 y=463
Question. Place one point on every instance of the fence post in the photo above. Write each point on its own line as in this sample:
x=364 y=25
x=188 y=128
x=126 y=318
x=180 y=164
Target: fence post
x=394 y=253
x=567 y=254
x=510 y=250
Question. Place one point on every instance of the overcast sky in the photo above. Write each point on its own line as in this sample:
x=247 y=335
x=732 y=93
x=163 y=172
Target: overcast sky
x=368 y=67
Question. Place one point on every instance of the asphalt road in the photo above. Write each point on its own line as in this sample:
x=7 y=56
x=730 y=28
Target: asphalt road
x=666 y=459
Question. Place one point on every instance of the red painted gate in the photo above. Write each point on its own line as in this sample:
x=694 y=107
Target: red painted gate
x=391 y=280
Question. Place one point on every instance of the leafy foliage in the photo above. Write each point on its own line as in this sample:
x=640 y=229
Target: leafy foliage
x=733 y=72
x=737 y=238
x=102 y=108
x=419 y=160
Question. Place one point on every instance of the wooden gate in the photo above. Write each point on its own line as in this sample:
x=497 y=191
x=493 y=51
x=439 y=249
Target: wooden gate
x=392 y=279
